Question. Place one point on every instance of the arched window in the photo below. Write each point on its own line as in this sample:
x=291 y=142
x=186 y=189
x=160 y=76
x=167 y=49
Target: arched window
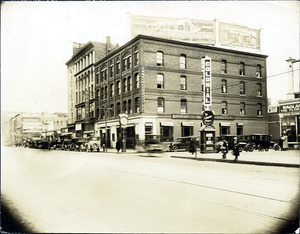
x=137 y=80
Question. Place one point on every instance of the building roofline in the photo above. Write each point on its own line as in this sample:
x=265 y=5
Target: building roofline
x=140 y=36
x=86 y=46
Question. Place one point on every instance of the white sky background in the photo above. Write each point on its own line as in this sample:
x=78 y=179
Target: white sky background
x=36 y=40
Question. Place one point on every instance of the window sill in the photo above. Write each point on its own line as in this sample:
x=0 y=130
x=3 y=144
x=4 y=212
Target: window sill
x=259 y=96
x=260 y=116
x=243 y=95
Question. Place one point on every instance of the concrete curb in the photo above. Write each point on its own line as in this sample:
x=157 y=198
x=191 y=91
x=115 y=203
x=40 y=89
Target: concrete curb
x=242 y=162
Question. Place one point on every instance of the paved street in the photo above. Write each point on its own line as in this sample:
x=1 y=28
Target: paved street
x=61 y=191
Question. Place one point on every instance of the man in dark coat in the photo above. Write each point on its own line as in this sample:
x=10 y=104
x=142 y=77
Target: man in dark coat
x=236 y=148
x=118 y=146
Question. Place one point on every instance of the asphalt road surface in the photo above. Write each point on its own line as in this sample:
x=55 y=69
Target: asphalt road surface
x=61 y=191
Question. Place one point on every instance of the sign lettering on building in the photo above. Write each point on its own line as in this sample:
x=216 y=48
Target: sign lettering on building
x=206 y=68
x=289 y=108
x=186 y=116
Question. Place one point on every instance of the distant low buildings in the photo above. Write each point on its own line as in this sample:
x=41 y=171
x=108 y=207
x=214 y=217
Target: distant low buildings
x=28 y=125
x=284 y=119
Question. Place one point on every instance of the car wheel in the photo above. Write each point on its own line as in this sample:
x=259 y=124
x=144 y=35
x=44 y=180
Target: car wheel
x=95 y=146
x=175 y=148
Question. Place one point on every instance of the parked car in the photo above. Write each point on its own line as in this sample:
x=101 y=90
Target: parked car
x=183 y=143
x=93 y=144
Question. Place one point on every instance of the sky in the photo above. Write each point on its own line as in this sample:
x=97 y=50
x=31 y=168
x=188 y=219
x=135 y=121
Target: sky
x=37 y=37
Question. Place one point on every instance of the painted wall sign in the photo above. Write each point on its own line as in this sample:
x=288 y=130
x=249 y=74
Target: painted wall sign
x=206 y=68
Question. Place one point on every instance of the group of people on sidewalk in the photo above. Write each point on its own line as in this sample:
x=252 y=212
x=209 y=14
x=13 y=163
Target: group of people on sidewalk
x=236 y=148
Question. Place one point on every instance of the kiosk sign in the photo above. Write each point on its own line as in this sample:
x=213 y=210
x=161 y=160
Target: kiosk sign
x=206 y=68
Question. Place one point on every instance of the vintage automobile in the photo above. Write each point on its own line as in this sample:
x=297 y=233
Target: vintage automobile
x=261 y=142
x=93 y=144
x=183 y=143
x=153 y=144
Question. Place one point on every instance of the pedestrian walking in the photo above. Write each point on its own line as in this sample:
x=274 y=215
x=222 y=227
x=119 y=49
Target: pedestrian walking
x=224 y=149
x=118 y=146
x=193 y=147
x=285 y=144
x=236 y=148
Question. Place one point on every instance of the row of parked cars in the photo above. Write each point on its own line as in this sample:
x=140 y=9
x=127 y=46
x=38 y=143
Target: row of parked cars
x=260 y=142
x=65 y=143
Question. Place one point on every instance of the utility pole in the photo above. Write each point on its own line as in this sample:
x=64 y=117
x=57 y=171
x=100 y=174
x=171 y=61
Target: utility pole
x=105 y=120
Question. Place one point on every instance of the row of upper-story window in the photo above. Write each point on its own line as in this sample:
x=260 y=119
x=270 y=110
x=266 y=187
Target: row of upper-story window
x=223 y=70
x=117 y=64
x=120 y=86
x=183 y=85
x=85 y=61
x=110 y=90
x=224 y=108
x=112 y=111
x=242 y=87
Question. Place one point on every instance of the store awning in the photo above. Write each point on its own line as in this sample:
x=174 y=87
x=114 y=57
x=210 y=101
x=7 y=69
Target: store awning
x=225 y=124
x=167 y=124
x=240 y=124
x=148 y=124
x=187 y=124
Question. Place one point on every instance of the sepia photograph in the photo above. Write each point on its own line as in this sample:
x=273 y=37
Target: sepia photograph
x=150 y=117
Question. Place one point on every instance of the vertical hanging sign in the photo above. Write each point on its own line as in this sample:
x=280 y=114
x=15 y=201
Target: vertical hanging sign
x=206 y=68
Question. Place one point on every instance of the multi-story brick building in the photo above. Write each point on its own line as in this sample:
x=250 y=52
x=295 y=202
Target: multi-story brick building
x=81 y=84
x=158 y=83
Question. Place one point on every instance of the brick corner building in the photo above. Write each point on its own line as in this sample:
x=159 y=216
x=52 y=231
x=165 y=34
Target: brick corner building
x=158 y=83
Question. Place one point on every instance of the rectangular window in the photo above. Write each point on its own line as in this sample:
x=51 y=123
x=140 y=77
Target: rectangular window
x=259 y=93
x=223 y=86
x=242 y=69
x=124 y=85
x=160 y=105
x=183 y=106
x=224 y=108
x=258 y=71
x=159 y=59
x=160 y=81
x=129 y=83
x=242 y=88
x=118 y=67
x=187 y=131
x=242 y=108
x=97 y=77
x=111 y=69
x=183 y=85
x=118 y=108
x=118 y=88
x=182 y=61
x=259 y=109
x=129 y=107
x=166 y=133
x=223 y=67
x=111 y=90
x=137 y=105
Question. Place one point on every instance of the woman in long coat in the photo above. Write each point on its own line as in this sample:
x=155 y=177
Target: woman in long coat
x=236 y=148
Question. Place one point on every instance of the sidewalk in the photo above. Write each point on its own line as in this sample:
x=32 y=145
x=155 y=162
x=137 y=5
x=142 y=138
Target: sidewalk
x=290 y=158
